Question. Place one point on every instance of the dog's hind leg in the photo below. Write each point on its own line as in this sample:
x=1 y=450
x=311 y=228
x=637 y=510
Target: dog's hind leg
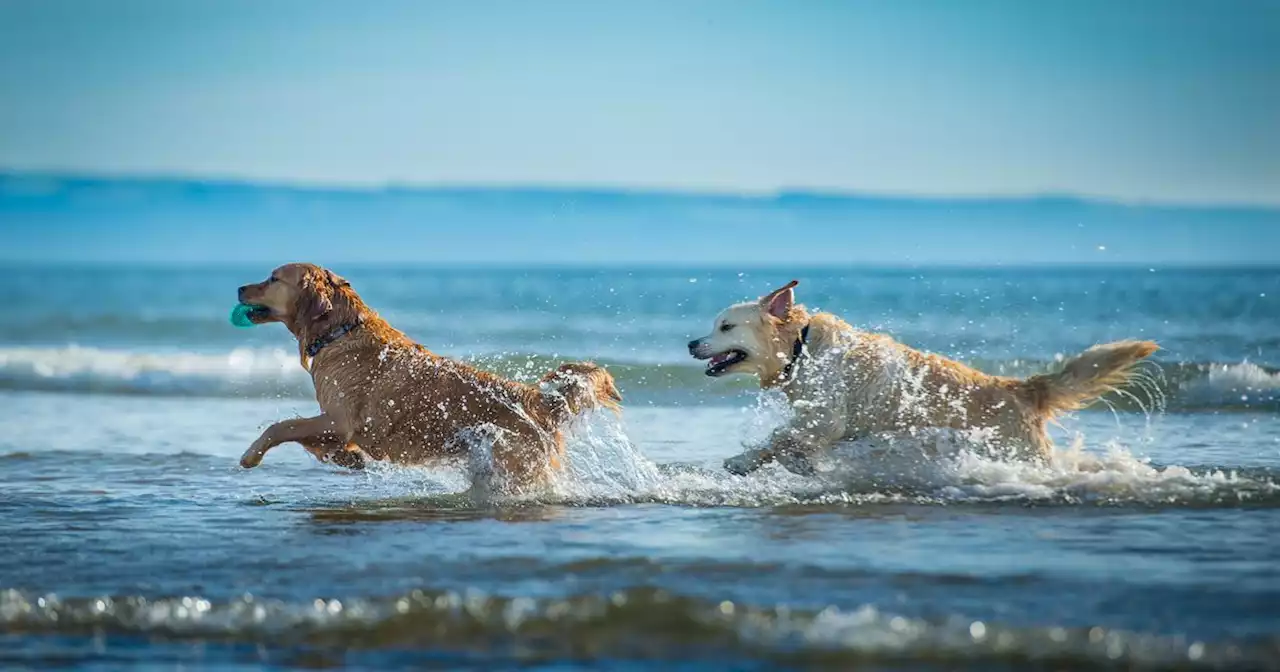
x=479 y=443
x=502 y=461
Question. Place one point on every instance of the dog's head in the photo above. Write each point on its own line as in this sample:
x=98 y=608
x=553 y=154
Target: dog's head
x=299 y=295
x=752 y=337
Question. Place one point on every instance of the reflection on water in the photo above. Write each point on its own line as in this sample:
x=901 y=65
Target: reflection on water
x=455 y=508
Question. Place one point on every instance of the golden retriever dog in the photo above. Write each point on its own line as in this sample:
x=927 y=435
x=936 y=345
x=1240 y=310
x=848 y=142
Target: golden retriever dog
x=845 y=383
x=385 y=397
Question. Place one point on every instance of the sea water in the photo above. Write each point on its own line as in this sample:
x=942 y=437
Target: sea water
x=133 y=539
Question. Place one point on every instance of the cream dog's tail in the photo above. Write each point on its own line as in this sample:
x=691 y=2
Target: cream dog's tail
x=1086 y=377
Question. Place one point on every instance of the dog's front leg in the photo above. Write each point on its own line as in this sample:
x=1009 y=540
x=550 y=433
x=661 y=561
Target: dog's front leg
x=794 y=458
x=748 y=461
x=346 y=455
x=814 y=428
x=320 y=430
x=784 y=450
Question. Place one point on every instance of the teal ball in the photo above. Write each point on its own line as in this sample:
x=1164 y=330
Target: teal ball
x=240 y=315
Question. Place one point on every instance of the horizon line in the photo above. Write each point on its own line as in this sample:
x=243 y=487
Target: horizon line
x=692 y=192
x=1152 y=267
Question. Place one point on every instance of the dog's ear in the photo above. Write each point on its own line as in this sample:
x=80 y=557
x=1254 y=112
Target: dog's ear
x=314 y=296
x=335 y=280
x=778 y=303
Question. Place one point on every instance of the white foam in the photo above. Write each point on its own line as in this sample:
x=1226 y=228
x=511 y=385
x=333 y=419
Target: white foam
x=1232 y=385
x=946 y=465
x=240 y=372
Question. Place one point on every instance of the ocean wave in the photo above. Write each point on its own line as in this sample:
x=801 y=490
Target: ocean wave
x=637 y=623
x=247 y=372
x=241 y=372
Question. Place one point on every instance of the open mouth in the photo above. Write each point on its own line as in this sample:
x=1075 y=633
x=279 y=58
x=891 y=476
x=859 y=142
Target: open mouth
x=720 y=363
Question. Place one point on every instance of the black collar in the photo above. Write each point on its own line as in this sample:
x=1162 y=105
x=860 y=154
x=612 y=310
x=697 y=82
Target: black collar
x=797 y=351
x=330 y=336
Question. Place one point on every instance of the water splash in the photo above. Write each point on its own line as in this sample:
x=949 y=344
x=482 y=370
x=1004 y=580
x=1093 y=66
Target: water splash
x=932 y=467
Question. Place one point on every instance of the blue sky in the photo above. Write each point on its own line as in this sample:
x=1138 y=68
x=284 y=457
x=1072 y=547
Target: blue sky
x=1139 y=100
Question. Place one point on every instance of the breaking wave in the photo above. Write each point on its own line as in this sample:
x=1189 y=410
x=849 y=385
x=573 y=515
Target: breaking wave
x=276 y=373
x=637 y=623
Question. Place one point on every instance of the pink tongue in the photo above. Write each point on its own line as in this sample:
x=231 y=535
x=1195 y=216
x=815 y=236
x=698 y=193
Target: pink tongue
x=720 y=359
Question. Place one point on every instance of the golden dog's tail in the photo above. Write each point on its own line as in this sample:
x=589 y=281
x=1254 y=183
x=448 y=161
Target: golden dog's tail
x=576 y=387
x=1086 y=377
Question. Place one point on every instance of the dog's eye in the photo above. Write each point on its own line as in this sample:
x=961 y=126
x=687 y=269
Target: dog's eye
x=726 y=327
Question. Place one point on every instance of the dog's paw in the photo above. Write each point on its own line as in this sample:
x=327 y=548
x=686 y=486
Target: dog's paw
x=796 y=463
x=252 y=457
x=745 y=463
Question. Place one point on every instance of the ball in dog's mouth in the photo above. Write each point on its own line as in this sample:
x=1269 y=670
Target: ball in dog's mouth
x=718 y=364
x=247 y=315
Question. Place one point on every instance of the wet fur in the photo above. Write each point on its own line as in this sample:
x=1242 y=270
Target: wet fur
x=385 y=397
x=852 y=383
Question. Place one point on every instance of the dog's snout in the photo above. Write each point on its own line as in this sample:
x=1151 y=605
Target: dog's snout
x=694 y=344
x=241 y=292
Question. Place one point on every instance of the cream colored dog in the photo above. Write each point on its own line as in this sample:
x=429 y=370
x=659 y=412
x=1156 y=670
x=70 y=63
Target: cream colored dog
x=845 y=383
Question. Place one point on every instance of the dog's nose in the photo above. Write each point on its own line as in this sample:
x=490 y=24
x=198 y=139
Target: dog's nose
x=240 y=292
x=693 y=345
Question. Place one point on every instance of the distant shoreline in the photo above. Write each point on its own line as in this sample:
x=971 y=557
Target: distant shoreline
x=66 y=219
x=657 y=267
x=12 y=184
